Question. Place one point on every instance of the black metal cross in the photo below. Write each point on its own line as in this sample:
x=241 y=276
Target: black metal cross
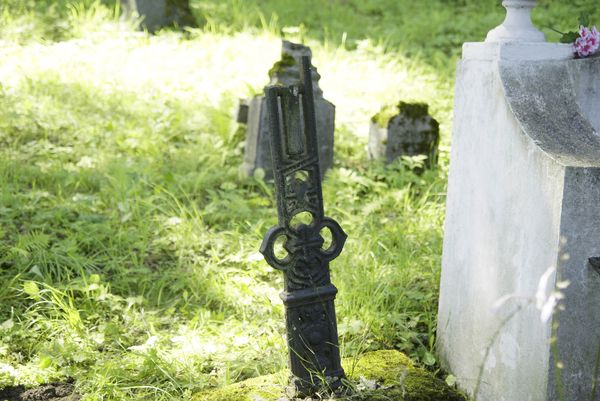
x=308 y=294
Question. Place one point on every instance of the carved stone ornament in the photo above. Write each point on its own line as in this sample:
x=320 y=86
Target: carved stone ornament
x=308 y=293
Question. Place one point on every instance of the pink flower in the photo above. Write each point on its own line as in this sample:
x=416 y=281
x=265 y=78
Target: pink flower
x=588 y=41
x=594 y=37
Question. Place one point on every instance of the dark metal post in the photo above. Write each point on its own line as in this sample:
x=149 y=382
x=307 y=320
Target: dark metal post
x=308 y=294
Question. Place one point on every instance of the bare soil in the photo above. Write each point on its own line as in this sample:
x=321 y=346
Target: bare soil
x=45 y=392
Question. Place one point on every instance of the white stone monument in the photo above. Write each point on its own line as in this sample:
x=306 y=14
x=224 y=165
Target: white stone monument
x=523 y=215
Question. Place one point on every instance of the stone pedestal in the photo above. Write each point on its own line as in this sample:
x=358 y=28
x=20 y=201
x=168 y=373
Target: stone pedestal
x=517 y=26
x=157 y=14
x=286 y=72
x=407 y=131
x=523 y=215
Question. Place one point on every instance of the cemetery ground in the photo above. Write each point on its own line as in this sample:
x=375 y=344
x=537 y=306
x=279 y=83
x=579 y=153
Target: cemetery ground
x=129 y=262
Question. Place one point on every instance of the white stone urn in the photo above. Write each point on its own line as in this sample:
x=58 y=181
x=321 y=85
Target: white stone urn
x=517 y=27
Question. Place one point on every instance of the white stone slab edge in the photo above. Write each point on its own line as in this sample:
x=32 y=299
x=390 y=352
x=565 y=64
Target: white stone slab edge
x=517 y=51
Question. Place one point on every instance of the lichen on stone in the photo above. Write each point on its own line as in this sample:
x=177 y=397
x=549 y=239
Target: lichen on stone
x=397 y=378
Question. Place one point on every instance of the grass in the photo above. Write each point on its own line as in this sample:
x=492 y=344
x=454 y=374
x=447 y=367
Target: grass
x=129 y=242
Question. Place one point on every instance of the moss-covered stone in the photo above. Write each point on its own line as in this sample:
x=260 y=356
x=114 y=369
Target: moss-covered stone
x=385 y=115
x=410 y=110
x=413 y=110
x=287 y=61
x=399 y=378
x=264 y=387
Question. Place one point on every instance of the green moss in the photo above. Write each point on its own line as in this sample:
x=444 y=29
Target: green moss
x=384 y=116
x=411 y=110
x=264 y=387
x=406 y=381
x=286 y=61
x=400 y=379
x=384 y=366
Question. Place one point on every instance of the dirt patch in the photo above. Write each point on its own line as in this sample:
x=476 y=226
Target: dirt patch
x=45 y=392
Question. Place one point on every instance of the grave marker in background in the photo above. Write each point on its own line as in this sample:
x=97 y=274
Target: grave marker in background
x=157 y=14
x=287 y=72
x=407 y=130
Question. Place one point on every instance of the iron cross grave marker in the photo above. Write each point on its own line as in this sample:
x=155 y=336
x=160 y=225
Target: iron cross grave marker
x=308 y=293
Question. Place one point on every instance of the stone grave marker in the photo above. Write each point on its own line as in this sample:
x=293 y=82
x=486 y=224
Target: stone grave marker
x=242 y=112
x=287 y=72
x=523 y=220
x=157 y=14
x=406 y=130
x=308 y=294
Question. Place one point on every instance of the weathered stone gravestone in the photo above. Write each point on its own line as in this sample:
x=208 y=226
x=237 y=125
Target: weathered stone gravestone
x=308 y=294
x=287 y=72
x=157 y=14
x=407 y=130
x=242 y=112
x=523 y=216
